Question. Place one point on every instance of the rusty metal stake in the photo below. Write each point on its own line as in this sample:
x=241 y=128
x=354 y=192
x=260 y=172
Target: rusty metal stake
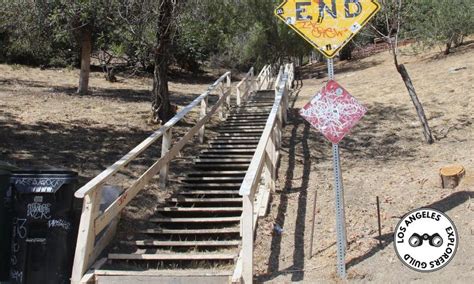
x=379 y=222
x=312 y=226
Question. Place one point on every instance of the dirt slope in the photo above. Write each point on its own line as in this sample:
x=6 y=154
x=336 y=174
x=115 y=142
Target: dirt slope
x=384 y=156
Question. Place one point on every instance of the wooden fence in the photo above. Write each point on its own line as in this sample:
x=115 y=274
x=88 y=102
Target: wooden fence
x=264 y=163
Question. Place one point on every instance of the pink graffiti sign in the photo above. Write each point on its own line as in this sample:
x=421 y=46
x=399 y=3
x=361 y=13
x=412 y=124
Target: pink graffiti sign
x=333 y=111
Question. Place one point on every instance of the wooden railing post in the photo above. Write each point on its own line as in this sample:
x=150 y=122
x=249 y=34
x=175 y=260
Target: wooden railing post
x=247 y=239
x=278 y=134
x=238 y=96
x=247 y=87
x=270 y=163
x=221 y=93
x=204 y=104
x=166 y=144
x=229 y=89
x=86 y=235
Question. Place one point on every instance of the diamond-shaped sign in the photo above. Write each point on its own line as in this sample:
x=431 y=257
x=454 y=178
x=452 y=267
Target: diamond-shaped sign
x=327 y=24
x=333 y=111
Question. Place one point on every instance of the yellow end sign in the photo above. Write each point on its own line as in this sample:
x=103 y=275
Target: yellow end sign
x=327 y=24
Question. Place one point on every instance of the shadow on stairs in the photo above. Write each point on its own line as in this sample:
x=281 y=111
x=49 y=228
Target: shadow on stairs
x=195 y=237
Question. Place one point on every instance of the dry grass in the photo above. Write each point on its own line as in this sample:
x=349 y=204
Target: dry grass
x=384 y=156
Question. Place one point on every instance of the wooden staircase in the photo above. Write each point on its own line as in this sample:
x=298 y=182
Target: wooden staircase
x=196 y=236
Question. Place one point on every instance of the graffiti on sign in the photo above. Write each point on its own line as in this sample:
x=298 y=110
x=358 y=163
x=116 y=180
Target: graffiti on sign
x=327 y=24
x=333 y=111
x=39 y=210
x=59 y=223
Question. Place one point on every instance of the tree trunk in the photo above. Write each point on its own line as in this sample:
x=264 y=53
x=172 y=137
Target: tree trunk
x=451 y=176
x=161 y=106
x=346 y=52
x=86 y=49
x=414 y=98
x=448 y=47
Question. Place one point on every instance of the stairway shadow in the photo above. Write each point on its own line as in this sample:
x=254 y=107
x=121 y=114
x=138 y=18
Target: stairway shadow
x=198 y=228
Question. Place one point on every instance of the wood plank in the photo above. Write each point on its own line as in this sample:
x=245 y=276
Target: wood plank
x=231 y=150
x=116 y=207
x=180 y=256
x=209 y=192
x=199 y=209
x=218 y=173
x=217 y=156
x=154 y=243
x=237 y=127
x=237 y=274
x=196 y=220
x=252 y=137
x=211 y=185
x=249 y=111
x=236 y=160
x=250 y=143
x=151 y=279
x=215 y=179
x=244 y=122
x=89 y=277
x=86 y=236
x=165 y=145
x=204 y=200
x=239 y=134
x=232 y=147
x=225 y=140
x=106 y=238
x=211 y=166
x=222 y=166
x=191 y=231
x=173 y=272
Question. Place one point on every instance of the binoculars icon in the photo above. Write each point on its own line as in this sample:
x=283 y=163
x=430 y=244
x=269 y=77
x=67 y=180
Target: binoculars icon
x=417 y=240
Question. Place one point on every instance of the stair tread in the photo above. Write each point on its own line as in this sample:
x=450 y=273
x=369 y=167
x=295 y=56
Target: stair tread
x=211 y=156
x=199 y=209
x=194 y=179
x=193 y=185
x=220 y=173
x=174 y=256
x=237 y=160
x=191 y=220
x=181 y=243
x=209 y=192
x=191 y=231
x=204 y=200
x=160 y=272
x=233 y=147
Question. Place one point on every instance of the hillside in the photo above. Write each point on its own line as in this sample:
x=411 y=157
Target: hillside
x=384 y=156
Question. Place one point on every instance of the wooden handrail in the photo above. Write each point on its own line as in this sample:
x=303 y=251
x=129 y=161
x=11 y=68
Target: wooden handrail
x=248 y=80
x=246 y=77
x=92 y=222
x=116 y=207
x=265 y=160
x=125 y=160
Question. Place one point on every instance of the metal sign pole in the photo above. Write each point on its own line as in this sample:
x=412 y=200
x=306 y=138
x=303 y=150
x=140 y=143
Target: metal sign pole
x=339 y=192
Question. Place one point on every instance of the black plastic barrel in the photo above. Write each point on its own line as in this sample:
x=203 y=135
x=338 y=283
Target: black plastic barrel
x=44 y=229
x=5 y=224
